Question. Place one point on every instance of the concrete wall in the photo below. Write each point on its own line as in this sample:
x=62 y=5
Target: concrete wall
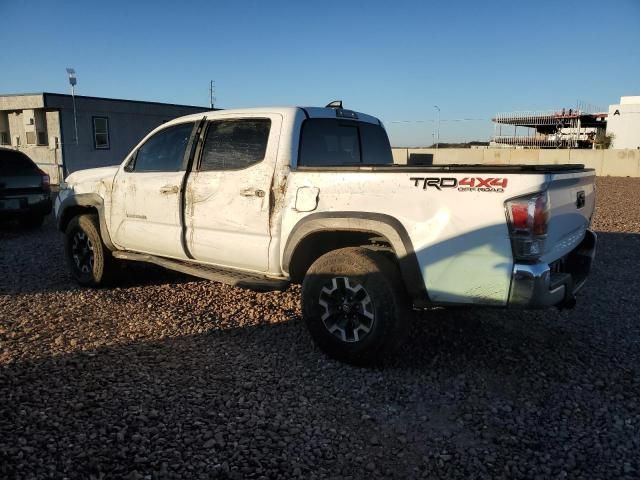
x=47 y=157
x=21 y=102
x=615 y=163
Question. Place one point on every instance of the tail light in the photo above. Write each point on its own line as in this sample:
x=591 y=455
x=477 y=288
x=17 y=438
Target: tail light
x=45 y=179
x=528 y=219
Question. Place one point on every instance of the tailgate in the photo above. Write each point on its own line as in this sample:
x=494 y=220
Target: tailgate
x=21 y=184
x=572 y=202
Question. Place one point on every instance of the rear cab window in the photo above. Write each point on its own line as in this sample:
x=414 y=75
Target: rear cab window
x=13 y=163
x=326 y=142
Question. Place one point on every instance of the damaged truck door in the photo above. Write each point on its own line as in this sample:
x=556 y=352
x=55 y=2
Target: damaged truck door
x=146 y=194
x=228 y=192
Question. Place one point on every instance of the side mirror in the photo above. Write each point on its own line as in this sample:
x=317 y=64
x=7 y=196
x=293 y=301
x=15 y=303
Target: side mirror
x=131 y=163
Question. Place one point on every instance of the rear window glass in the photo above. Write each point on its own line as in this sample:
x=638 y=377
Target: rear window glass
x=15 y=163
x=376 y=149
x=329 y=142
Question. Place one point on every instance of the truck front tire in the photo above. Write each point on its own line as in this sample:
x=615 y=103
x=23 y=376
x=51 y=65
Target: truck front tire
x=355 y=305
x=89 y=260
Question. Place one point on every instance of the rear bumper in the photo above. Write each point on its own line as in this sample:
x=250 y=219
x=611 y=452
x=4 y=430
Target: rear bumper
x=15 y=206
x=541 y=285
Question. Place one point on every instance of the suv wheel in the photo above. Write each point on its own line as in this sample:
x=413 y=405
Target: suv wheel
x=355 y=306
x=88 y=258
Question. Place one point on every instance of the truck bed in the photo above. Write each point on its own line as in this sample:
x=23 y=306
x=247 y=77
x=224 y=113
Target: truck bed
x=454 y=216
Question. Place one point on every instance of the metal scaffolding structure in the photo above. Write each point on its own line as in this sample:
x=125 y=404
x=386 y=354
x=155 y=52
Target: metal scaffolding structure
x=565 y=128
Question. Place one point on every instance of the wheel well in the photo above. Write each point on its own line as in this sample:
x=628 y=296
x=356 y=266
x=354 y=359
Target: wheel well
x=74 y=211
x=315 y=245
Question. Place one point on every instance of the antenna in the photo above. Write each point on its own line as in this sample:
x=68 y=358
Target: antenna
x=437 y=126
x=334 y=104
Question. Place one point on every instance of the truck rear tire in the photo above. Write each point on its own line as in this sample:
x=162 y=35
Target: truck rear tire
x=89 y=260
x=355 y=305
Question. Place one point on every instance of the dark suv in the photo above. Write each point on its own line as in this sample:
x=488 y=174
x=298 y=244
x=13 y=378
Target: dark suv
x=25 y=194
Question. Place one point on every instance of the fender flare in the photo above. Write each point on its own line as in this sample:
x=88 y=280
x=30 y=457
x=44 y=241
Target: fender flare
x=376 y=223
x=92 y=200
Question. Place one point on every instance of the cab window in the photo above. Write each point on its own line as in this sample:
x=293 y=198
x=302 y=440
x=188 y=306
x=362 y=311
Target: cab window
x=235 y=144
x=164 y=151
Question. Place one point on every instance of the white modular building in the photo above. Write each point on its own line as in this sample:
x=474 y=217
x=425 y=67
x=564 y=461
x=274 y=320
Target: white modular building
x=624 y=123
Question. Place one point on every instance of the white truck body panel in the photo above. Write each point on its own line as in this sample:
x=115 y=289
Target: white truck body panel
x=567 y=223
x=459 y=235
x=460 y=238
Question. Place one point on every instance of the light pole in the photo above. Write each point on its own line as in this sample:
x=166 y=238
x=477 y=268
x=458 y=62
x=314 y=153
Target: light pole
x=212 y=91
x=72 y=82
x=437 y=125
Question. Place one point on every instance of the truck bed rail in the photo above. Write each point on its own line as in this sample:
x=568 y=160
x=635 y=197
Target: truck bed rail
x=537 y=169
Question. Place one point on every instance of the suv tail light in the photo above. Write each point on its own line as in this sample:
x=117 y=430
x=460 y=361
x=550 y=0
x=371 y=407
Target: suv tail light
x=528 y=219
x=45 y=179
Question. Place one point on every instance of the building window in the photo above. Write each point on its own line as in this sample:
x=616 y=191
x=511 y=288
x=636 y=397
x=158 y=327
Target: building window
x=101 y=133
x=5 y=137
x=40 y=118
x=42 y=138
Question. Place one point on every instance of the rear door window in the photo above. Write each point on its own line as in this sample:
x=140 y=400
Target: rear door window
x=235 y=144
x=329 y=142
x=14 y=163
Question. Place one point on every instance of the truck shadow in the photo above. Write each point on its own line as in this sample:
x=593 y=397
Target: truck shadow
x=228 y=385
x=442 y=335
x=32 y=261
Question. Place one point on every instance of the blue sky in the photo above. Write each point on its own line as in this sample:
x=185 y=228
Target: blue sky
x=393 y=59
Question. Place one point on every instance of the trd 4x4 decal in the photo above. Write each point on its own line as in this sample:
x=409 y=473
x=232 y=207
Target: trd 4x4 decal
x=467 y=184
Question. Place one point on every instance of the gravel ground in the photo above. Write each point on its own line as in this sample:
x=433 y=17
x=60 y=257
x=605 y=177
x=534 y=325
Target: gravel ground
x=171 y=377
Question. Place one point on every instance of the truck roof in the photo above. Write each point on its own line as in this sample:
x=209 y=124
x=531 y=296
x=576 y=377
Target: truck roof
x=309 y=112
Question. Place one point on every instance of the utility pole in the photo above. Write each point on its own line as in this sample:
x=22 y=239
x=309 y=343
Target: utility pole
x=437 y=125
x=212 y=90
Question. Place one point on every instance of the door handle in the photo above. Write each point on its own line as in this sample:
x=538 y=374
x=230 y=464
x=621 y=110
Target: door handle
x=169 y=189
x=252 y=192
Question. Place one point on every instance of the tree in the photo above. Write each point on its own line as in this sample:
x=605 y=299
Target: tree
x=603 y=141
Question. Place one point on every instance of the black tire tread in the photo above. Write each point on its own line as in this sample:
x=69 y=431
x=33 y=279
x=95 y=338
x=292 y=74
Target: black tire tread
x=103 y=262
x=380 y=274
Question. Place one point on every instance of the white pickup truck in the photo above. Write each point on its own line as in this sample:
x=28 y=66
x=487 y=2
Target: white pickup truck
x=265 y=197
